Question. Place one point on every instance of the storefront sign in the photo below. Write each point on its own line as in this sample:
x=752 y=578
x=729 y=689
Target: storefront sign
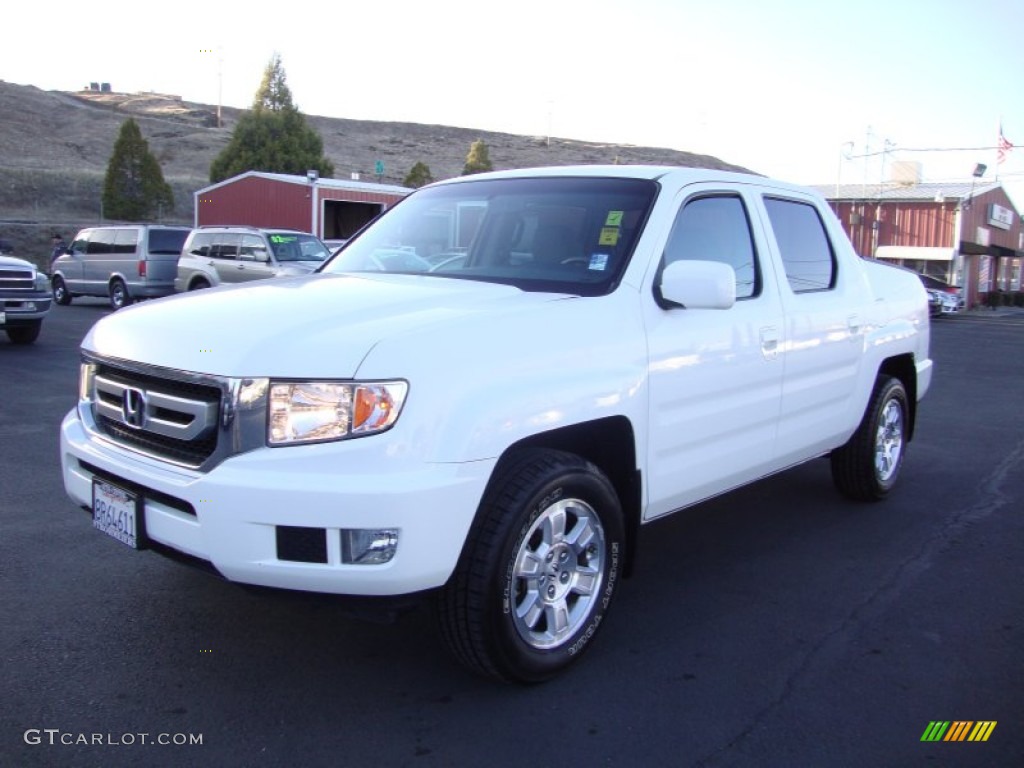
x=1000 y=217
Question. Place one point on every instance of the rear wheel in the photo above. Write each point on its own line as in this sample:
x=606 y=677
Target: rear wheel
x=61 y=294
x=538 y=571
x=119 y=296
x=25 y=334
x=867 y=467
x=198 y=285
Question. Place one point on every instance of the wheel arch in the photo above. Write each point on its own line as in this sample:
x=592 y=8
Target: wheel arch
x=608 y=443
x=902 y=367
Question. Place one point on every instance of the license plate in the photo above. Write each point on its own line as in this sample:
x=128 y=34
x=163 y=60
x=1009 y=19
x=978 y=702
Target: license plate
x=115 y=511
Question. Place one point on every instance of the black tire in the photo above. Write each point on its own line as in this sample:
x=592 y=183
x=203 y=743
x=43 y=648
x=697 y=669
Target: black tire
x=868 y=466
x=24 y=334
x=547 y=544
x=198 y=285
x=61 y=294
x=119 y=296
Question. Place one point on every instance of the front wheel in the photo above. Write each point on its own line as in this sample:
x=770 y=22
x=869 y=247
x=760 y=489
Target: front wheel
x=538 y=571
x=25 y=334
x=867 y=467
x=61 y=294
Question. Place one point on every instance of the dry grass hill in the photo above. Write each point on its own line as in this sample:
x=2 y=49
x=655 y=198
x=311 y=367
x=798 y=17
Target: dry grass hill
x=55 y=145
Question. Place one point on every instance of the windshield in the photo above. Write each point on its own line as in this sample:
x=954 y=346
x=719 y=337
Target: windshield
x=567 y=235
x=292 y=246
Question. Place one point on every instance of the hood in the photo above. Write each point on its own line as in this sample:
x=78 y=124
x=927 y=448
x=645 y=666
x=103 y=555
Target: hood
x=318 y=326
x=11 y=262
x=296 y=268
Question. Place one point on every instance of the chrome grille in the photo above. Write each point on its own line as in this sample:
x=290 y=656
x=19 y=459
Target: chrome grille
x=17 y=280
x=172 y=419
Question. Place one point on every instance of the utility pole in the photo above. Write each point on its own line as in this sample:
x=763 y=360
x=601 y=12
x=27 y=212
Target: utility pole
x=220 y=84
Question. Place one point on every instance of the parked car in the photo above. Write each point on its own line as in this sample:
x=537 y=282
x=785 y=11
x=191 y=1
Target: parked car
x=24 y=299
x=943 y=298
x=215 y=255
x=615 y=344
x=124 y=263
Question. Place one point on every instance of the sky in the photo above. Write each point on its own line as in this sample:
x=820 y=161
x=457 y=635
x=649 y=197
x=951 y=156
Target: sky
x=809 y=91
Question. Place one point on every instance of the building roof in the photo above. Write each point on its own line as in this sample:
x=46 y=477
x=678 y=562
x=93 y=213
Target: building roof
x=925 y=192
x=287 y=178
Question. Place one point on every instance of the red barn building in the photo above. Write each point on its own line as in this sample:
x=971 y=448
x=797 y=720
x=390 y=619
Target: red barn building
x=965 y=234
x=331 y=209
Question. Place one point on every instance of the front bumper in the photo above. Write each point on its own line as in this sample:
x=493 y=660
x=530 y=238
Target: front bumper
x=229 y=516
x=20 y=308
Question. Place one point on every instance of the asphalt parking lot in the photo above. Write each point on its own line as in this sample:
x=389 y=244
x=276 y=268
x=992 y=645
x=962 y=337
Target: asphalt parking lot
x=780 y=625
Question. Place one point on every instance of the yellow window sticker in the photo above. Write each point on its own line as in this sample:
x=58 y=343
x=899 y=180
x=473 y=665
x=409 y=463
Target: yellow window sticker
x=614 y=219
x=609 y=236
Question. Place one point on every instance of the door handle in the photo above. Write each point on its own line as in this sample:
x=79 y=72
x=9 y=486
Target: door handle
x=770 y=342
x=853 y=326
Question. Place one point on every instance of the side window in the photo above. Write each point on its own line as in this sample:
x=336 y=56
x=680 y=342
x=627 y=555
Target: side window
x=81 y=243
x=224 y=247
x=200 y=245
x=101 y=241
x=803 y=245
x=253 y=248
x=126 y=240
x=716 y=229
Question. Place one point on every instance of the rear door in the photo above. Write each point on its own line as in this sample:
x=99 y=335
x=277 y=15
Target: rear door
x=825 y=329
x=161 y=252
x=224 y=256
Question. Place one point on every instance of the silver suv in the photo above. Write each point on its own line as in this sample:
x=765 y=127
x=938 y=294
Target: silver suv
x=216 y=255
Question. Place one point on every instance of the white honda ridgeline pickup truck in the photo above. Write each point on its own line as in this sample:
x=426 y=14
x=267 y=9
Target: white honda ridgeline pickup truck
x=483 y=396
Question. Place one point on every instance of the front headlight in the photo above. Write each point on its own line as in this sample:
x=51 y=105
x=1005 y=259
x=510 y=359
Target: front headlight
x=42 y=282
x=317 y=411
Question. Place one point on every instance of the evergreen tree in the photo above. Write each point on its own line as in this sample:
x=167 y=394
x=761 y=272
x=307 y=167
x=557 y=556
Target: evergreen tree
x=134 y=188
x=478 y=160
x=273 y=136
x=418 y=176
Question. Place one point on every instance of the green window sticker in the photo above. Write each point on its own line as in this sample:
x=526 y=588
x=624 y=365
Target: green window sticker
x=614 y=219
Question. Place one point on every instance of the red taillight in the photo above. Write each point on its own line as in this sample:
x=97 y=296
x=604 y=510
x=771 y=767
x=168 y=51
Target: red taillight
x=142 y=268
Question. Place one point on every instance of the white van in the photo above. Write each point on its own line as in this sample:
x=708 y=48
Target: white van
x=125 y=263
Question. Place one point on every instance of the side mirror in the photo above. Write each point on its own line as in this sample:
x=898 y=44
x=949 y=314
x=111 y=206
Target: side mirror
x=698 y=285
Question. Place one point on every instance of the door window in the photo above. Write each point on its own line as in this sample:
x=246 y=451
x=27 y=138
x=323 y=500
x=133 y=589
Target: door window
x=716 y=228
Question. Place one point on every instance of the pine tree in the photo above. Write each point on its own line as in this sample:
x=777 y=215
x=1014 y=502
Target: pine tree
x=418 y=176
x=273 y=136
x=478 y=160
x=134 y=188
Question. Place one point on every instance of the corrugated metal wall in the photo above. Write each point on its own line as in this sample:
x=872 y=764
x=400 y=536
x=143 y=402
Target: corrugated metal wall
x=257 y=202
x=261 y=202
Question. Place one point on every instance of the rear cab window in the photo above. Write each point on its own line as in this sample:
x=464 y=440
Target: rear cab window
x=804 y=246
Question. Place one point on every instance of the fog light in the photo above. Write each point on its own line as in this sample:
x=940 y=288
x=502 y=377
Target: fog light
x=365 y=546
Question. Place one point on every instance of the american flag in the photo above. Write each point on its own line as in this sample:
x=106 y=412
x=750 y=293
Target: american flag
x=1003 y=147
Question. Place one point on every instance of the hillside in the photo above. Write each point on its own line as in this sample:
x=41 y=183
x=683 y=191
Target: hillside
x=55 y=145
